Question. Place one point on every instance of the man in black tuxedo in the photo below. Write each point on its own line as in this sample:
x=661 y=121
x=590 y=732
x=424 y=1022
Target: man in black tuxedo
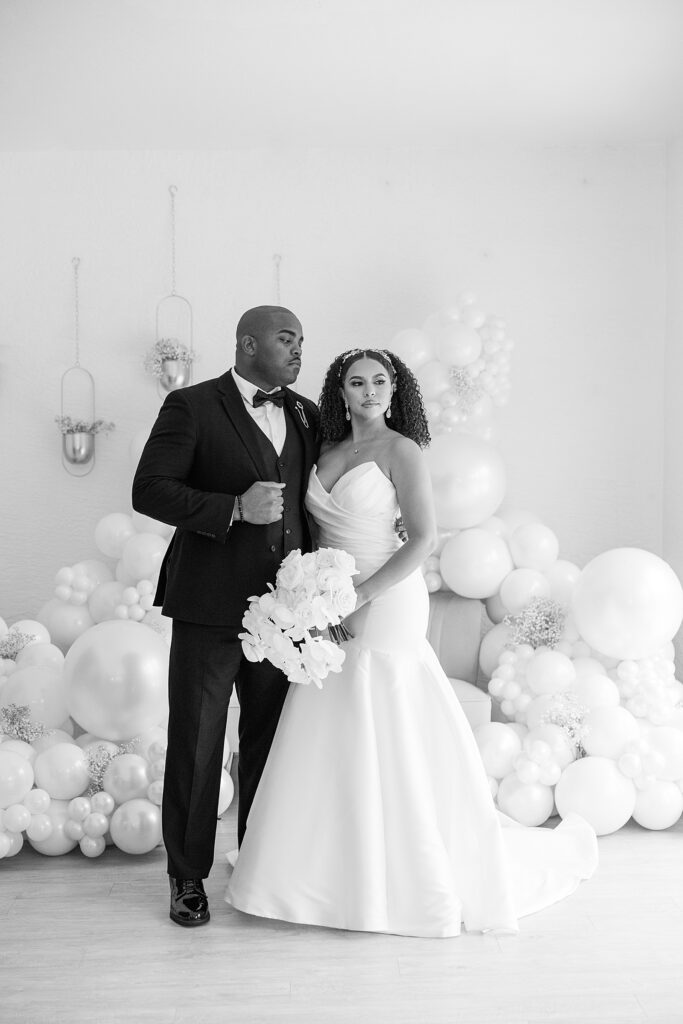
x=227 y=463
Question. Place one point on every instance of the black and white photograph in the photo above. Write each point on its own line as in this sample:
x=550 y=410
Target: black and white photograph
x=341 y=512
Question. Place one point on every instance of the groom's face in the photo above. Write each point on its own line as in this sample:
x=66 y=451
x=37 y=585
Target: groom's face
x=277 y=351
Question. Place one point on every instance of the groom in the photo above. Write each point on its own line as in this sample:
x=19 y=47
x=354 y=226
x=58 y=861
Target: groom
x=227 y=463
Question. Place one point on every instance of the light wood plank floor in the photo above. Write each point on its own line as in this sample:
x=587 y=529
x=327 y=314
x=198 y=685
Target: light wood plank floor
x=91 y=941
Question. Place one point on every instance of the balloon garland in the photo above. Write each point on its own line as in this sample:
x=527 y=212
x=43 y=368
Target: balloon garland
x=579 y=662
x=83 y=704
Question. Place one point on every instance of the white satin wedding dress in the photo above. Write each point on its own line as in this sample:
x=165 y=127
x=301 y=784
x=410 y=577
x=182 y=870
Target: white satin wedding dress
x=374 y=811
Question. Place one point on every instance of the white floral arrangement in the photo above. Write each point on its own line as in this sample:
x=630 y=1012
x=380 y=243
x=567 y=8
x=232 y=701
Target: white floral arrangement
x=312 y=591
x=67 y=425
x=166 y=348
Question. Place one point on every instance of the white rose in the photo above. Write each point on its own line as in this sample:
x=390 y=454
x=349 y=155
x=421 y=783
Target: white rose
x=290 y=574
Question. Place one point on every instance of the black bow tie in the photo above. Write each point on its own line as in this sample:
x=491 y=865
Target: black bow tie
x=276 y=397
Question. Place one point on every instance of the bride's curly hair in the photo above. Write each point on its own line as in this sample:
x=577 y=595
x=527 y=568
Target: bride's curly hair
x=408 y=415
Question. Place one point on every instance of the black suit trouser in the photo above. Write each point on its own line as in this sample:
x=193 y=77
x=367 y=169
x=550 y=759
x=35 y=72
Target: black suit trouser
x=204 y=663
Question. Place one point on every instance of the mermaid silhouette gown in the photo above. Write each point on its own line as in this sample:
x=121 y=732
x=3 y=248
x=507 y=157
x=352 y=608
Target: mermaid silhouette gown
x=374 y=811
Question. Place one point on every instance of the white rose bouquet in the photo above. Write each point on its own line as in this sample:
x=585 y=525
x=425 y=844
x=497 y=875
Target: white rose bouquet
x=312 y=591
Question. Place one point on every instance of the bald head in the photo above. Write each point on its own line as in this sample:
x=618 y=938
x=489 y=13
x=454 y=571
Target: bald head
x=268 y=350
x=261 y=319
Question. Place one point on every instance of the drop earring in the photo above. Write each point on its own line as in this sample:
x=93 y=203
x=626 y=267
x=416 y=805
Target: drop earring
x=348 y=414
x=388 y=413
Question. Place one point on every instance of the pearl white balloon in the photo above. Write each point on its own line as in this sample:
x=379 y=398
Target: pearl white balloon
x=142 y=555
x=475 y=562
x=562 y=577
x=135 y=826
x=499 y=745
x=596 y=690
x=31 y=627
x=468 y=479
x=41 y=689
x=492 y=646
x=659 y=806
x=529 y=803
x=520 y=586
x=549 y=672
x=16 y=777
x=534 y=546
x=58 y=842
x=116 y=680
x=112 y=532
x=46 y=655
x=595 y=788
x=607 y=730
x=62 y=771
x=104 y=600
x=628 y=603
x=65 y=622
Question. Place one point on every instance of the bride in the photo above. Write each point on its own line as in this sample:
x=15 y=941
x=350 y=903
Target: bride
x=374 y=811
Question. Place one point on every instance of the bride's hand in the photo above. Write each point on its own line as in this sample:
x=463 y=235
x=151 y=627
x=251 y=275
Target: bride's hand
x=351 y=621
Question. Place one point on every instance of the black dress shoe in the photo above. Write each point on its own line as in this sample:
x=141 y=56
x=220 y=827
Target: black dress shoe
x=189 y=905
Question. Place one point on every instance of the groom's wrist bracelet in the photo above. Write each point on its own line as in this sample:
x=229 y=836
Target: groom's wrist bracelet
x=240 y=510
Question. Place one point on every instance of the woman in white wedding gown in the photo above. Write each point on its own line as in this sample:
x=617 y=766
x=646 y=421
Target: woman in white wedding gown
x=374 y=811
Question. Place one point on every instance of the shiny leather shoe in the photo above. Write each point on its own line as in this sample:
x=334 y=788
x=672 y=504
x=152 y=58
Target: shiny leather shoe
x=189 y=905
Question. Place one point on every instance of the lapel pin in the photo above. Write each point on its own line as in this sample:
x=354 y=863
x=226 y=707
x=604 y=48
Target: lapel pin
x=300 y=409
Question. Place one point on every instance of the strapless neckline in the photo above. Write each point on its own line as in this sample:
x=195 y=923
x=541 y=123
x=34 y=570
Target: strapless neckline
x=362 y=465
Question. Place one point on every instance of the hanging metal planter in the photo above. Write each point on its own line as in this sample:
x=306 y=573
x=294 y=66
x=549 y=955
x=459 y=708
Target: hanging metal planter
x=77 y=423
x=170 y=358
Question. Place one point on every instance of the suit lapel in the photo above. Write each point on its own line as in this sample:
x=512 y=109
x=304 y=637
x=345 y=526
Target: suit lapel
x=243 y=424
x=304 y=425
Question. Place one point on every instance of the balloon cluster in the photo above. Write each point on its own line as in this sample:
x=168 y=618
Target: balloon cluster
x=580 y=663
x=83 y=705
x=461 y=357
x=615 y=712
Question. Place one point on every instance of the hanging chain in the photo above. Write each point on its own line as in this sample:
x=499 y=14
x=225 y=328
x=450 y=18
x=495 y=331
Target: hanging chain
x=76 y=262
x=173 y=189
x=277 y=260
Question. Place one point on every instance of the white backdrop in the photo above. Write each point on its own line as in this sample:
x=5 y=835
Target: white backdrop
x=569 y=245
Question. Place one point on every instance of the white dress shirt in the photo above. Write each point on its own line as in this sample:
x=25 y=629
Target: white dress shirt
x=270 y=418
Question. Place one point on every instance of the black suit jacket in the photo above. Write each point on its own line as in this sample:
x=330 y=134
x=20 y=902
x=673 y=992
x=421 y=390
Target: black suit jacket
x=197 y=459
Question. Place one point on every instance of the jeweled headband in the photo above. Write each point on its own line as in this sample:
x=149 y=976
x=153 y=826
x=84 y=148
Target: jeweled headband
x=347 y=356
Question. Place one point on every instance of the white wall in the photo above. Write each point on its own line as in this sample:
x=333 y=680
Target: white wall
x=673 y=434
x=568 y=245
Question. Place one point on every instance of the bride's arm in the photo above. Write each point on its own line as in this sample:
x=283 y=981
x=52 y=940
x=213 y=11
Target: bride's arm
x=410 y=477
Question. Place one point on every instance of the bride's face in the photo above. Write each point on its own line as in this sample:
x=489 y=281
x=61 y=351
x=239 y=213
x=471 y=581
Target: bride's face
x=367 y=389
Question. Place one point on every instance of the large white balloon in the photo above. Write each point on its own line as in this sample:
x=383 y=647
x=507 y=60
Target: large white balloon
x=607 y=730
x=142 y=555
x=468 y=479
x=530 y=803
x=116 y=679
x=627 y=603
x=65 y=621
x=41 y=689
x=492 y=646
x=499 y=745
x=562 y=577
x=534 y=546
x=475 y=562
x=659 y=806
x=112 y=532
x=595 y=788
x=520 y=587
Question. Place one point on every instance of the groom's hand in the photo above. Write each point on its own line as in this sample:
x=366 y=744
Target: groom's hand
x=263 y=502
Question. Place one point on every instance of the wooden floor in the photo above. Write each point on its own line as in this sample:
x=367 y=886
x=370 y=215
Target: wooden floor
x=91 y=941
